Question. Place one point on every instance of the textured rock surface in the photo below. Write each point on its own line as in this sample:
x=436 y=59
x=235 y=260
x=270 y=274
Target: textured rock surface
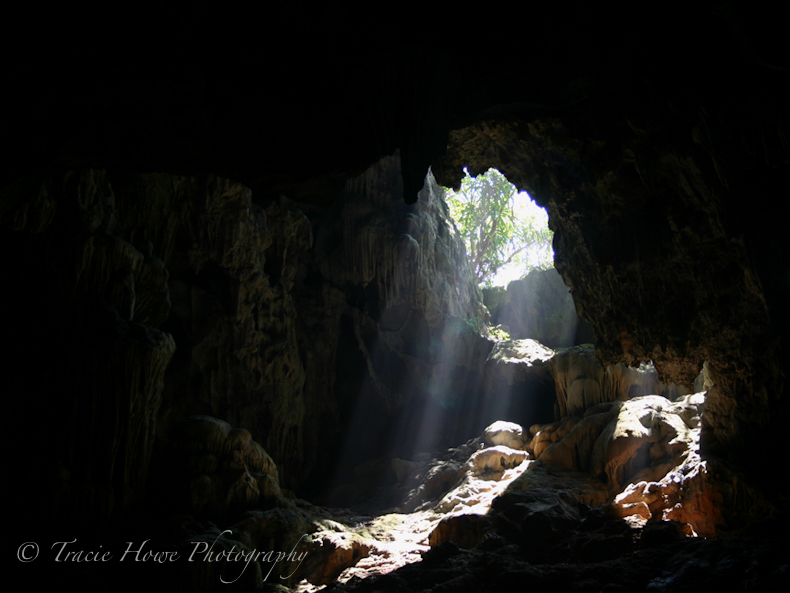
x=597 y=187
x=330 y=553
x=538 y=307
x=529 y=382
x=647 y=452
x=387 y=314
x=496 y=459
x=229 y=265
x=466 y=530
x=98 y=302
x=211 y=469
x=581 y=382
x=273 y=335
x=504 y=433
x=518 y=383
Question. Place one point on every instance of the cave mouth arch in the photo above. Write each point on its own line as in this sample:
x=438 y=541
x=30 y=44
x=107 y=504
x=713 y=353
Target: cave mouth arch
x=642 y=241
x=611 y=255
x=523 y=292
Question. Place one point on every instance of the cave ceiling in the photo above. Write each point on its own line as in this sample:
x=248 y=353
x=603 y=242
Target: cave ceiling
x=298 y=102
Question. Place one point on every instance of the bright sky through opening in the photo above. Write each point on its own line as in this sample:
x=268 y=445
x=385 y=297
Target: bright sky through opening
x=505 y=232
x=525 y=207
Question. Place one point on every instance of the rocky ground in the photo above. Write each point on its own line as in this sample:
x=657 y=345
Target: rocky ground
x=613 y=496
x=616 y=499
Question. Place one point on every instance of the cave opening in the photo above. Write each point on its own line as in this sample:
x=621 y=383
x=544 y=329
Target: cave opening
x=430 y=385
x=506 y=234
x=539 y=407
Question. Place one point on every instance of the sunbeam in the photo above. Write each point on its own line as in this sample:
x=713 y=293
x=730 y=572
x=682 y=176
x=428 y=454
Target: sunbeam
x=454 y=422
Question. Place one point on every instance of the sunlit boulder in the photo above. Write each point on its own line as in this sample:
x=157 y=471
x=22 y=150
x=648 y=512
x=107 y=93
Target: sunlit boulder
x=504 y=433
x=496 y=459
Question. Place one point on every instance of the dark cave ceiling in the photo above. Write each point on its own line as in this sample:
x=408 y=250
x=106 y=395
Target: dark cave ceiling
x=295 y=101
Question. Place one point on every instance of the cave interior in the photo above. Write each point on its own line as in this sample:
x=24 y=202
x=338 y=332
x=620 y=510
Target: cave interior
x=238 y=307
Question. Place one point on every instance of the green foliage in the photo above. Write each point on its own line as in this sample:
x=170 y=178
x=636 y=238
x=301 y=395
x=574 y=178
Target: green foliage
x=475 y=324
x=496 y=229
x=498 y=333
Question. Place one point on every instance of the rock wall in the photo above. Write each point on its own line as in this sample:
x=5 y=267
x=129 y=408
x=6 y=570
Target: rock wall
x=229 y=266
x=388 y=317
x=674 y=285
x=538 y=307
x=582 y=383
x=163 y=297
x=89 y=361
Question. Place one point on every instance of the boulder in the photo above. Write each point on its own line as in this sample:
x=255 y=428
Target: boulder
x=211 y=468
x=465 y=530
x=328 y=553
x=504 y=433
x=647 y=434
x=496 y=459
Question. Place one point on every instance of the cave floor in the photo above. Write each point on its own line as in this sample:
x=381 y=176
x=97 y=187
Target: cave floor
x=397 y=540
x=530 y=525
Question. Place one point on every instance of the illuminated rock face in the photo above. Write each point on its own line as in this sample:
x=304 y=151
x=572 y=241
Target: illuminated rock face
x=504 y=433
x=389 y=320
x=539 y=307
x=581 y=382
x=664 y=283
x=646 y=451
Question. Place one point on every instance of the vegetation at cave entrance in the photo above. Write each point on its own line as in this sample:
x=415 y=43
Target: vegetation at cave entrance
x=505 y=233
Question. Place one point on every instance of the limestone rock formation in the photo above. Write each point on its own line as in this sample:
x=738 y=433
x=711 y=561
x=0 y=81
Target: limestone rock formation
x=538 y=307
x=504 y=433
x=496 y=459
x=465 y=530
x=646 y=451
x=515 y=360
x=518 y=383
x=330 y=553
x=225 y=277
x=462 y=479
x=100 y=303
x=570 y=442
x=543 y=516
x=567 y=382
x=581 y=381
x=582 y=183
x=420 y=483
x=388 y=310
x=211 y=469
